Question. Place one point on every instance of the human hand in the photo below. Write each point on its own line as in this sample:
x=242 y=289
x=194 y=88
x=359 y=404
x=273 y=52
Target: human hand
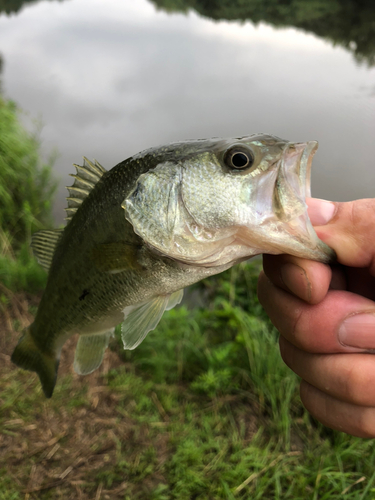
x=326 y=316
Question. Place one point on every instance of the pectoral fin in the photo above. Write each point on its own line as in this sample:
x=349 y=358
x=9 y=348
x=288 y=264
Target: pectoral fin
x=139 y=320
x=90 y=351
x=174 y=299
x=116 y=257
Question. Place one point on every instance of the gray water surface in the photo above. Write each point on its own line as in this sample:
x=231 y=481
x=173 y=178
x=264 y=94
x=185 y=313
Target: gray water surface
x=108 y=79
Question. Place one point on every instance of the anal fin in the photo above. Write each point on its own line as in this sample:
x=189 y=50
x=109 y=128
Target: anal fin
x=90 y=352
x=141 y=319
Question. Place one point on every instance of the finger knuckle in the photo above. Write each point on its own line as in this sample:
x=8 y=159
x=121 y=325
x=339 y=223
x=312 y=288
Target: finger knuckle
x=300 y=329
x=361 y=216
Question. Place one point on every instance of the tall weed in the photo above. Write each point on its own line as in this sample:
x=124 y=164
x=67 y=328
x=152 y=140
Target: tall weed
x=26 y=185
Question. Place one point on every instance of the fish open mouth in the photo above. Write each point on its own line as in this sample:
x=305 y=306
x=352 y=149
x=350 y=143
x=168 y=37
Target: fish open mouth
x=298 y=159
x=288 y=228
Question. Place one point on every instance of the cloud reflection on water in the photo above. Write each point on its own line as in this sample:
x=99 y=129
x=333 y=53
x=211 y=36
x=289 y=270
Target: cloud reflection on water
x=111 y=78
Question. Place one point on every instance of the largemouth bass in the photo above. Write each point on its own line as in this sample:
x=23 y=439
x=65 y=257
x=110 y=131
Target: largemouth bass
x=154 y=224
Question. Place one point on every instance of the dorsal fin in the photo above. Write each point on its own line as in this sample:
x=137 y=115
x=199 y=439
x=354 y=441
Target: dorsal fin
x=85 y=179
x=43 y=244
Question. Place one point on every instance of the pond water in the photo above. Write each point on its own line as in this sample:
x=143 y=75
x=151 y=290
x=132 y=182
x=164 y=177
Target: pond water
x=108 y=79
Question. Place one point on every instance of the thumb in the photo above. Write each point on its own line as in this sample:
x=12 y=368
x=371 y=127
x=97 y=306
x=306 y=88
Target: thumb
x=348 y=228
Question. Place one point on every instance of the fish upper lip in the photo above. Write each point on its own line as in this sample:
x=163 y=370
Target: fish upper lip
x=295 y=171
x=297 y=159
x=305 y=167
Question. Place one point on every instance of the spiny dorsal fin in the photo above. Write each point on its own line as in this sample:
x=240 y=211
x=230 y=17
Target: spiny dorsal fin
x=43 y=244
x=84 y=181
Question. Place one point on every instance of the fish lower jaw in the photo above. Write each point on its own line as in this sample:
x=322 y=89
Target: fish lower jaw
x=296 y=238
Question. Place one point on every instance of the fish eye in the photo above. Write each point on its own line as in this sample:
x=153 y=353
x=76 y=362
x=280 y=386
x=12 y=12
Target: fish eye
x=239 y=158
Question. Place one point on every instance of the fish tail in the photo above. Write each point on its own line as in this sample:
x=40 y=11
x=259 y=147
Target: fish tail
x=27 y=355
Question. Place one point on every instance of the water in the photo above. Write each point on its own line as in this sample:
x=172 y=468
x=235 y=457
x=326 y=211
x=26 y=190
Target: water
x=108 y=79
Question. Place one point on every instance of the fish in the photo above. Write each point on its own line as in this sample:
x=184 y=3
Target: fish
x=159 y=221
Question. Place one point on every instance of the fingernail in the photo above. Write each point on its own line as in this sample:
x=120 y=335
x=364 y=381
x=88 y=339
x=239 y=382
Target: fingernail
x=358 y=331
x=295 y=280
x=320 y=211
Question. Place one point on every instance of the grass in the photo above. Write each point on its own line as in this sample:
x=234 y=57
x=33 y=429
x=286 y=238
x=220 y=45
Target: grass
x=227 y=347
x=203 y=409
x=22 y=273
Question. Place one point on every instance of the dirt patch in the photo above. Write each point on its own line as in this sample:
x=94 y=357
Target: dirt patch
x=53 y=450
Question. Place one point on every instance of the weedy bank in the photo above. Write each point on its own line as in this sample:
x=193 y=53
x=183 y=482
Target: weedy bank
x=204 y=408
